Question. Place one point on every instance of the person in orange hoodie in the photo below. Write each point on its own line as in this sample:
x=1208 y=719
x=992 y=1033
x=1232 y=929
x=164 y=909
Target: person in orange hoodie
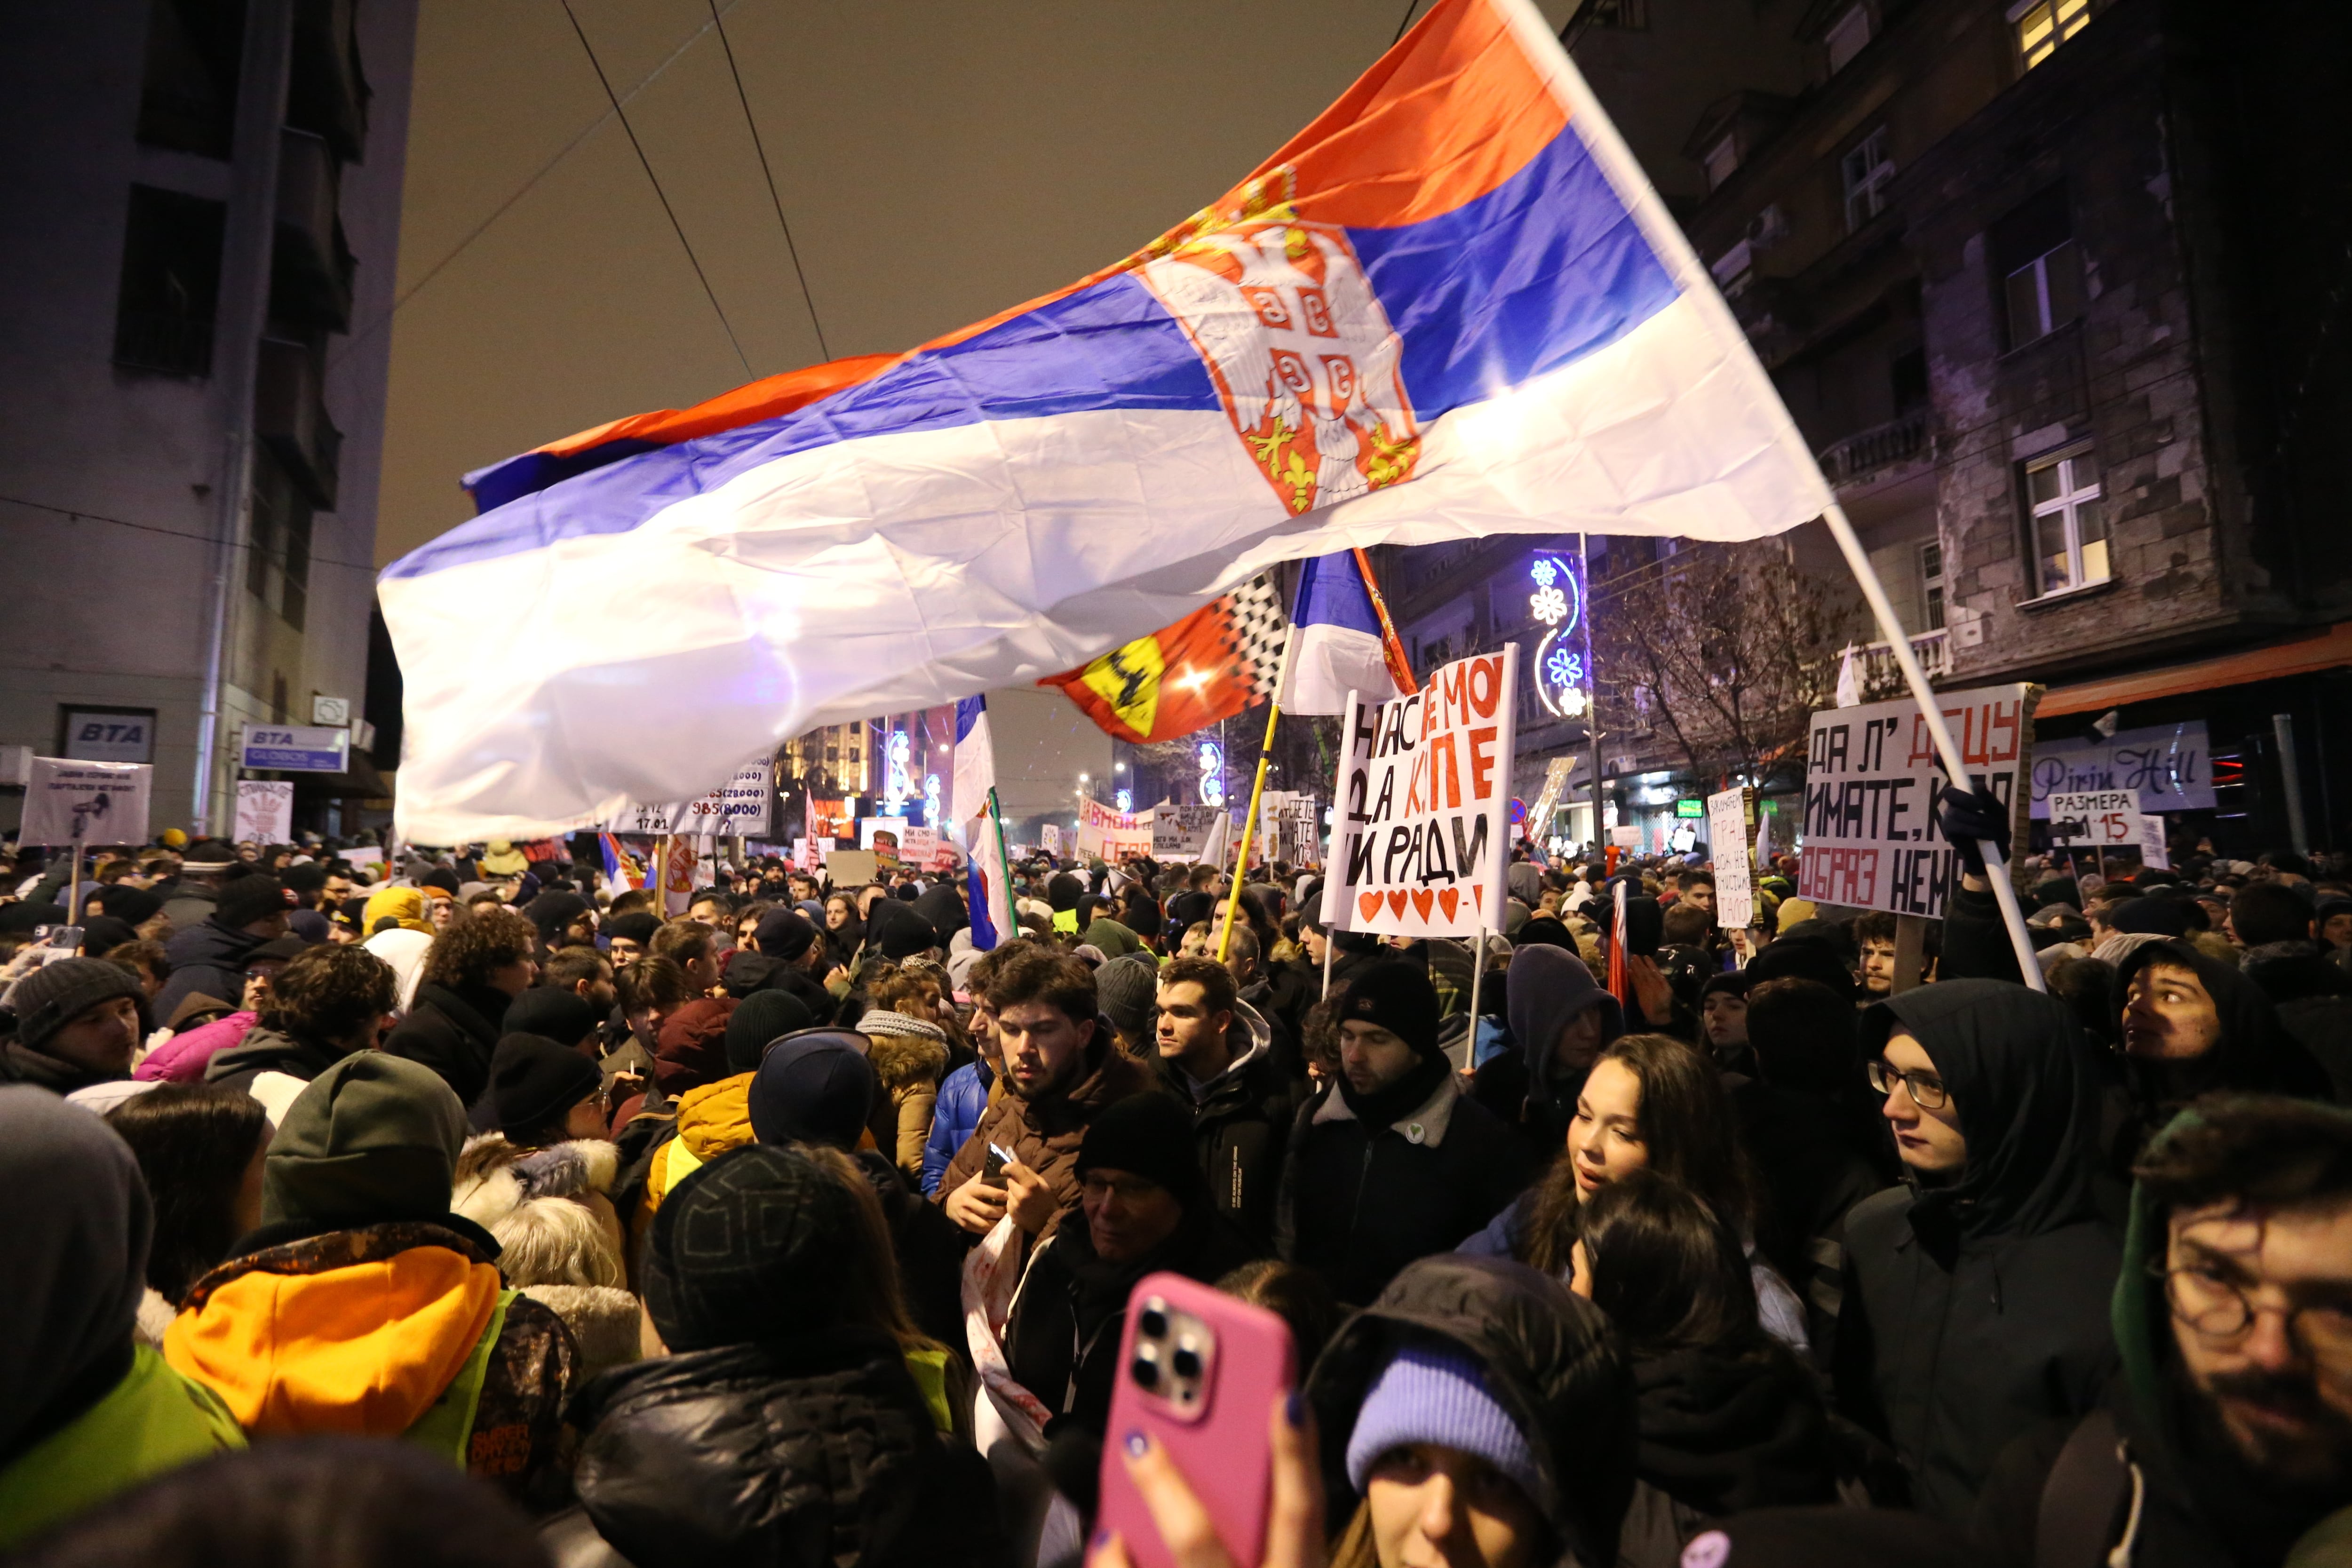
x=364 y=1307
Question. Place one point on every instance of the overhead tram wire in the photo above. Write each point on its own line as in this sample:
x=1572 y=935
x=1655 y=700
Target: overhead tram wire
x=1410 y=7
x=761 y=148
x=660 y=195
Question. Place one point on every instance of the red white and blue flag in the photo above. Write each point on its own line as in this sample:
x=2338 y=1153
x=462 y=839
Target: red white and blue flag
x=1450 y=307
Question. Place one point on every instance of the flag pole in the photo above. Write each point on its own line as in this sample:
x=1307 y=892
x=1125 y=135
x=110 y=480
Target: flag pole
x=1398 y=671
x=1249 y=824
x=1899 y=642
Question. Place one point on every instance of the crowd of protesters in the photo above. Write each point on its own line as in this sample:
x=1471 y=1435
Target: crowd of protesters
x=462 y=1209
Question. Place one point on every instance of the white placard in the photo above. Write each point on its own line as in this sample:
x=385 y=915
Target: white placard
x=1872 y=775
x=1424 y=794
x=71 y=802
x=1734 y=881
x=1626 y=837
x=2101 y=818
x=2153 y=850
x=1049 y=839
x=265 y=812
x=1181 y=832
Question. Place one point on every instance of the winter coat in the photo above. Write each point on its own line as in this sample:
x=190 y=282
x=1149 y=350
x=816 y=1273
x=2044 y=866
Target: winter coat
x=270 y=1050
x=399 y=1330
x=2312 y=994
x=1358 y=1203
x=1546 y=987
x=1975 y=1309
x=1281 y=993
x=151 y=1421
x=1044 y=1135
x=520 y=1197
x=748 y=971
x=208 y=958
x=453 y=1032
x=930 y=1248
x=711 y=1119
x=1809 y=1152
x=1551 y=1360
x=20 y=1063
x=183 y=1058
x=910 y=1067
x=1241 y=1122
x=1721 y=1434
x=815 y=1451
x=964 y=1095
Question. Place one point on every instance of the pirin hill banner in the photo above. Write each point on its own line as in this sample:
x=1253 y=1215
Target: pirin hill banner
x=1423 y=793
x=1872 y=777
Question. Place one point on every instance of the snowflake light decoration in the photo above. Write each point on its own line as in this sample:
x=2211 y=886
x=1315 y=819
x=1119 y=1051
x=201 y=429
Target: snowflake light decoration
x=1544 y=573
x=1549 y=605
x=1565 y=668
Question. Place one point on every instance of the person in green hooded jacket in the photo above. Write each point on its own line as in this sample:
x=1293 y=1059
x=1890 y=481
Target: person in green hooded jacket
x=85 y=1411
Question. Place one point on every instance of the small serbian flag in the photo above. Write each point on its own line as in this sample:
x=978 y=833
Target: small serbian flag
x=1209 y=665
x=622 y=872
x=1450 y=307
x=1338 y=644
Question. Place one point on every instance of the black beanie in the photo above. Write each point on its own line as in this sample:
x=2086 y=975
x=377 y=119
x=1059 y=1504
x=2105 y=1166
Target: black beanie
x=1148 y=1135
x=896 y=931
x=535 y=1082
x=551 y=912
x=306 y=879
x=249 y=898
x=761 y=1019
x=636 y=926
x=1398 y=998
x=754 y=1246
x=553 y=1012
x=2159 y=917
x=785 y=933
x=816 y=1087
x=135 y=905
x=1062 y=890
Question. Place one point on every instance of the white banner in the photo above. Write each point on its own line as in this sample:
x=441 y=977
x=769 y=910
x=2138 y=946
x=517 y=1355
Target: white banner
x=1423 y=820
x=86 y=802
x=1734 y=880
x=2101 y=819
x=265 y=812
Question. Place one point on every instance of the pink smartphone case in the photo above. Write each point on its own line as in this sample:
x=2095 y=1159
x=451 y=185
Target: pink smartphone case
x=1224 y=1452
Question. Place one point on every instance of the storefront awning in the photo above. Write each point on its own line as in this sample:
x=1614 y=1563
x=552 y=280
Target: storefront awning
x=2330 y=649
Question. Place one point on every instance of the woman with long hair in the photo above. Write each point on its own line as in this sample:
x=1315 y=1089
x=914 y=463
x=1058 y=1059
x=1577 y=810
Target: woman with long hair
x=199 y=1148
x=843 y=932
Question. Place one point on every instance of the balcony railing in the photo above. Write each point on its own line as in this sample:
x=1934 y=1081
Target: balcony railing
x=1866 y=452
x=312 y=266
x=1879 y=675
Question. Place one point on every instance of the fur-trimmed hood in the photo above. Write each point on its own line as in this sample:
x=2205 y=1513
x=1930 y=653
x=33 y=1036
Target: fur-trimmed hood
x=496 y=1177
x=902 y=1060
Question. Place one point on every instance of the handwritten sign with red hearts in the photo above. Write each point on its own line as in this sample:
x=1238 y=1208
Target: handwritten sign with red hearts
x=1422 y=834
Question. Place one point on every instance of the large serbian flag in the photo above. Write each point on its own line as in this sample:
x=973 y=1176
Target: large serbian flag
x=1450 y=307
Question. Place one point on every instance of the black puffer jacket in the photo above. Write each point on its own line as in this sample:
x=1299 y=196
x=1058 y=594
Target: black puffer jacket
x=810 y=1453
x=206 y=960
x=453 y=1032
x=1551 y=1360
x=1976 y=1308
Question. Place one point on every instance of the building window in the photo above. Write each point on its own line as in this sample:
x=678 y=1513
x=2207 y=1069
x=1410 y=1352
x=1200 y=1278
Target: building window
x=171 y=282
x=1721 y=159
x=187 y=101
x=2040 y=267
x=1846 y=38
x=2070 y=525
x=1866 y=171
x=1931 y=583
x=2042 y=24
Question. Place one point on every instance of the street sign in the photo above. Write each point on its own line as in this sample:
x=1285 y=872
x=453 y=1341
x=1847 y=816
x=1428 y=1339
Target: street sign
x=2102 y=819
x=109 y=734
x=296 y=748
x=1690 y=805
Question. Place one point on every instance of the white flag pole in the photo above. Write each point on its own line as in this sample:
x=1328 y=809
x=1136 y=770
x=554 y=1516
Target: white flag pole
x=1542 y=48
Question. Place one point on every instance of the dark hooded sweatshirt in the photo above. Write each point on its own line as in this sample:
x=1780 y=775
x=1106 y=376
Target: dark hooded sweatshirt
x=1546 y=987
x=1978 y=1308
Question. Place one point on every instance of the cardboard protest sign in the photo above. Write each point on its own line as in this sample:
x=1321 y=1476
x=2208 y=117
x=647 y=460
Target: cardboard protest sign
x=1049 y=839
x=1872 y=777
x=1181 y=832
x=2153 y=850
x=69 y=802
x=884 y=836
x=2100 y=819
x=850 y=868
x=1626 y=837
x=265 y=812
x=1424 y=805
x=1734 y=879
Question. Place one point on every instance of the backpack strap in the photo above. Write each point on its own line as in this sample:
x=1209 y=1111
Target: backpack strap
x=2089 y=1516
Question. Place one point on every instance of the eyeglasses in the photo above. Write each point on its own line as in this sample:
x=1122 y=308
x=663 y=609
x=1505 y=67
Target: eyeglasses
x=1926 y=1089
x=2219 y=1308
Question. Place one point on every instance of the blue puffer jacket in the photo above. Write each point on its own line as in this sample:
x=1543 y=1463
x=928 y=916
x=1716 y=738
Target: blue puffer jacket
x=964 y=1095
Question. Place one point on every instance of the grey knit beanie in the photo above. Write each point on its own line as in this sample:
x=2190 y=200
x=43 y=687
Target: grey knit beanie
x=52 y=995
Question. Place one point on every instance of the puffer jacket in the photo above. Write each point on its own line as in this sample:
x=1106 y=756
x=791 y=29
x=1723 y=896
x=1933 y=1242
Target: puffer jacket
x=1976 y=1308
x=1044 y=1135
x=964 y=1095
x=711 y=1119
x=1551 y=1360
x=183 y=1058
x=1720 y=1433
x=208 y=958
x=811 y=1452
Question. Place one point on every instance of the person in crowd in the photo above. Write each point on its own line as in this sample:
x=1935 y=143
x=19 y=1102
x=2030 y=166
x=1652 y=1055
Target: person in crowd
x=1731 y=1418
x=583 y=971
x=784 y=954
x=363 y=1305
x=964 y=1092
x=650 y=991
x=1278 y=992
x=562 y=920
x=1874 y=933
x=713 y=1096
x=1394 y=1160
x=1650 y=1102
x=1126 y=987
x=327 y=1004
x=337 y=1502
x=1976 y=1295
x=1723 y=1022
x=2193 y=1025
x=1297 y=1296
x=78 y=1022
x=783 y=1423
x=845 y=931
x=1560 y=1021
x=1214 y=1055
x=86 y=1410
x=1145 y=1208
x=199 y=1148
x=694 y=948
x=208 y=957
x=2232 y=1423
x=473 y=972
x=1476 y=1413
x=557 y=1012
x=181 y=1055
x=1061 y=1071
x=629 y=936
x=910 y=1052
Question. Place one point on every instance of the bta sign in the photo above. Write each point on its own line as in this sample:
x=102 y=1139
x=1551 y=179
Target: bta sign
x=69 y=802
x=1872 y=777
x=1423 y=793
x=2103 y=819
x=295 y=749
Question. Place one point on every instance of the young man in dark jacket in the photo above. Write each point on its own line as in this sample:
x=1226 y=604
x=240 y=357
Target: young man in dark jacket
x=2230 y=1434
x=209 y=959
x=1392 y=1161
x=1216 y=1055
x=1977 y=1294
x=322 y=1006
x=471 y=972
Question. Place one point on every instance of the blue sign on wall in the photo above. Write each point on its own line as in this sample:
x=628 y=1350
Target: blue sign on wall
x=296 y=748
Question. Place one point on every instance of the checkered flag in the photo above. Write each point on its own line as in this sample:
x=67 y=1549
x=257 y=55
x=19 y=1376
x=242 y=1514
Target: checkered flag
x=1259 y=628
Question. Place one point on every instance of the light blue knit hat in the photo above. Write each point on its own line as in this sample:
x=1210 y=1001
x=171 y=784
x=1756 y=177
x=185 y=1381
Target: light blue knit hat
x=1437 y=1393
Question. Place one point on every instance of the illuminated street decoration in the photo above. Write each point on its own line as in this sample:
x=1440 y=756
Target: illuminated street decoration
x=1563 y=682
x=931 y=799
x=1125 y=800
x=1211 y=758
x=897 y=781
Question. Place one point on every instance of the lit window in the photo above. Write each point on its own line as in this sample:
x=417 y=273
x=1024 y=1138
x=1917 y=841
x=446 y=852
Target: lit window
x=1852 y=31
x=2043 y=25
x=1721 y=159
x=1931 y=583
x=2070 y=526
x=1866 y=171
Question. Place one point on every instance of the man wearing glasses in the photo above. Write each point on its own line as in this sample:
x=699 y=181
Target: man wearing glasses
x=2232 y=1425
x=1977 y=1304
